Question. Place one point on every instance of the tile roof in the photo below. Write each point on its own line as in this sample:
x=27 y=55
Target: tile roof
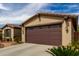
x=53 y=14
x=13 y=25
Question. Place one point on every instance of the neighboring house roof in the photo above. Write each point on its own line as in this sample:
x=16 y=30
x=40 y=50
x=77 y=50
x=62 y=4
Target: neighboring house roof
x=12 y=25
x=52 y=14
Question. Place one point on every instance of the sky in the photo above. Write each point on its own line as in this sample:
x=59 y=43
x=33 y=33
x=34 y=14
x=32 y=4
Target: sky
x=16 y=13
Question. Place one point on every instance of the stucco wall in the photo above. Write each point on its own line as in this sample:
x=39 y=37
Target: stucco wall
x=43 y=20
x=23 y=34
x=12 y=32
x=66 y=36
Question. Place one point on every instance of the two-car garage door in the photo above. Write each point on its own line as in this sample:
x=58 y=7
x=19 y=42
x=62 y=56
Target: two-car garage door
x=48 y=34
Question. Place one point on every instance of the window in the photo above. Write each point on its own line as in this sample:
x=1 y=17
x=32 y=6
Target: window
x=7 y=33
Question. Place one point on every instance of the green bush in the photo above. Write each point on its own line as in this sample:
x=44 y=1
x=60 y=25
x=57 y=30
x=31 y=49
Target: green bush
x=63 y=51
x=75 y=43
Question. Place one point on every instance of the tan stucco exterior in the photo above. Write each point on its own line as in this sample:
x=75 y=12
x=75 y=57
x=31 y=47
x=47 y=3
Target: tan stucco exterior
x=66 y=36
x=12 y=32
x=23 y=34
x=44 y=20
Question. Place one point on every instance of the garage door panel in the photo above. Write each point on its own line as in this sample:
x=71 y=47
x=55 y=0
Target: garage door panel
x=44 y=35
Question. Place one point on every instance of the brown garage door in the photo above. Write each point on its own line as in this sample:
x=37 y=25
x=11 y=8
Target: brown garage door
x=50 y=35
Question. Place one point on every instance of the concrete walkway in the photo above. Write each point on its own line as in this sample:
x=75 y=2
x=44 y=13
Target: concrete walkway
x=26 y=49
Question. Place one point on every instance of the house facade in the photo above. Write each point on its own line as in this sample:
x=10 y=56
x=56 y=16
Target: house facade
x=10 y=31
x=49 y=29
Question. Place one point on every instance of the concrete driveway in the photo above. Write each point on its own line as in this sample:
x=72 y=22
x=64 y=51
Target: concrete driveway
x=25 y=49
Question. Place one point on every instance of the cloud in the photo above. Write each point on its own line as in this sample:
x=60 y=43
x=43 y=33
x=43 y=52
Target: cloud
x=30 y=9
x=21 y=15
x=2 y=7
x=14 y=20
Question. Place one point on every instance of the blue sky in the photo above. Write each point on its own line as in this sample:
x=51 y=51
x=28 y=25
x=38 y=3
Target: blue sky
x=19 y=12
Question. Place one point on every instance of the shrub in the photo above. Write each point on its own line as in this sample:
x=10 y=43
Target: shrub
x=75 y=43
x=64 y=51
